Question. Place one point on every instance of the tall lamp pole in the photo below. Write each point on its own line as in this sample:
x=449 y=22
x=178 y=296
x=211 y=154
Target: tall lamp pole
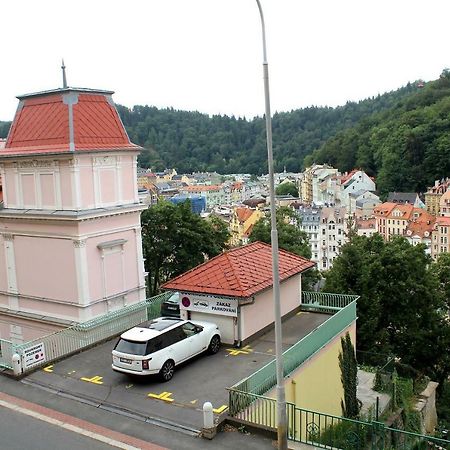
x=281 y=397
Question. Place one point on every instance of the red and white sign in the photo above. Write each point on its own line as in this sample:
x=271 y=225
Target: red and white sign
x=211 y=305
x=33 y=355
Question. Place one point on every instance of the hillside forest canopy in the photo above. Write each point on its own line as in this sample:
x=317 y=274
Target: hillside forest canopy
x=402 y=138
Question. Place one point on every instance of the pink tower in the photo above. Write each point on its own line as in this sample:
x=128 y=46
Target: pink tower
x=70 y=235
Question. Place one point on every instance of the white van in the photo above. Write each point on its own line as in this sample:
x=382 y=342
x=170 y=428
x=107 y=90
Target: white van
x=162 y=344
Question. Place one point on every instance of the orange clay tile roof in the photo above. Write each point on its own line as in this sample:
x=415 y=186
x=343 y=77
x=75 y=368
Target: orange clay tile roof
x=419 y=228
x=241 y=272
x=442 y=220
x=243 y=214
x=384 y=209
x=366 y=223
x=345 y=178
x=43 y=122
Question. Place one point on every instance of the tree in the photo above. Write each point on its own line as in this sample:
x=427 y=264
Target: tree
x=174 y=240
x=349 y=378
x=287 y=188
x=400 y=310
x=441 y=270
x=290 y=238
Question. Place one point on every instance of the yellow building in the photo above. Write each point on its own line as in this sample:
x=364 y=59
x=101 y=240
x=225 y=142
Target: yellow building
x=312 y=374
x=434 y=194
x=242 y=221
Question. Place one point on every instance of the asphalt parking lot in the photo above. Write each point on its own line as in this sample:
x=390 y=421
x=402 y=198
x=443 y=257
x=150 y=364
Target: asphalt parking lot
x=87 y=377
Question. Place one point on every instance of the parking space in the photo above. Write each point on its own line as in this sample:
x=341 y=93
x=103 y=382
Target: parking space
x=88 y=376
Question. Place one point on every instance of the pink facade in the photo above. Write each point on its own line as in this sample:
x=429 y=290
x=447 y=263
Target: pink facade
x=256 y=316
x=70 y=241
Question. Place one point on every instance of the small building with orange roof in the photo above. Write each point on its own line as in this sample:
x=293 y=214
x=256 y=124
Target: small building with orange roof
x=242 y=219
x=366 y=226
x=234 y=290
x=420 y=229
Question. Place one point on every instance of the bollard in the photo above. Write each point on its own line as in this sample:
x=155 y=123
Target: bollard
x=209 y=430
x=208 y=416
x=17 y=364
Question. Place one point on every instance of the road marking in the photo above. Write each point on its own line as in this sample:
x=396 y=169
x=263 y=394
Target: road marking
x=84 y=428
x=163 y=396
x=128 y=386
x=71 y=372
x=193 y=402
x=48 y=368
x=95 y=380
x=220 y=410
x=270 y=350
x=243 y=351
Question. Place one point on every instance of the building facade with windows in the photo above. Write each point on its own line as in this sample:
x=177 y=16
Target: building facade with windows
x=70 y=235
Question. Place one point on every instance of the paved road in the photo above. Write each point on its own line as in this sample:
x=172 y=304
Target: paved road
x=19 y=431
x=130 y=427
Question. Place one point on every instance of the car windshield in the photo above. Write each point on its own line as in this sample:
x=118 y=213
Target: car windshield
x=131 y=347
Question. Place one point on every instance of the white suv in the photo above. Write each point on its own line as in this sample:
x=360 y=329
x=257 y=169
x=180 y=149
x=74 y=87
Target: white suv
x=156 y=348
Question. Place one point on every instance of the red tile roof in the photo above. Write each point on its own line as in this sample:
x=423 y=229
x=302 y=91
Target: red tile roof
x=244 y=213
x=442 y=220
x=241 y=272
x=42 y=124
x=347 y=176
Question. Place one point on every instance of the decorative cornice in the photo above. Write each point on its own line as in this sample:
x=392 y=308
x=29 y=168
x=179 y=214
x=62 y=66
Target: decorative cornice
x=8 y=236
x=104 y=160
x=79 y=243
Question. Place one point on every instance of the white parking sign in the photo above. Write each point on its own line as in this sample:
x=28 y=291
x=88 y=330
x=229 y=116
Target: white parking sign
x=33 y=355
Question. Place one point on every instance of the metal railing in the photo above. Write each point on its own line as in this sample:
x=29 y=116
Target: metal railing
x=265 y=378
x=6 y=352
x=326 y=430
x=325 y=301
x=80 y=336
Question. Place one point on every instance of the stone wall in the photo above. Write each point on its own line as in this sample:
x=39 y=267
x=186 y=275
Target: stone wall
x=426 y=406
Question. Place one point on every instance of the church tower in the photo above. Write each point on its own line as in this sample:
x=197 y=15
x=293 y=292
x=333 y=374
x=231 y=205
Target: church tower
x=70 y=236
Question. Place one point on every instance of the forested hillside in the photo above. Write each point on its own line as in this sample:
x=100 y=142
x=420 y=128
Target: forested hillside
x=402 y=138
x=191 y=141
x=406 y=147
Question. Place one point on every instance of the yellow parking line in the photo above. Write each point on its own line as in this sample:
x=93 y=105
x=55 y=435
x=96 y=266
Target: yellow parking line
x=220 y=410
x=48 y=368
x=95 y=380
x=243 y=351
x=165 y=396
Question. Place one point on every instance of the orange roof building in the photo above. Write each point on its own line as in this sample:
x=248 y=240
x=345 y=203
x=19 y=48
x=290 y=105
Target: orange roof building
x=70 y=214
x=66 y=120
x=238 y=284
x=241 y=224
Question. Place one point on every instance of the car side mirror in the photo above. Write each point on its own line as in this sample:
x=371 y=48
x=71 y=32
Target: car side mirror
x=198 y=329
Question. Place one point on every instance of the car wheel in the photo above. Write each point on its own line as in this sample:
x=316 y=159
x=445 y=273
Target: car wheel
x=167 y=370
x=214 y=345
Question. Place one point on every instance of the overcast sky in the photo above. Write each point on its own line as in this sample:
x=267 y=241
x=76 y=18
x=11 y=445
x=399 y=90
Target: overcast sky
x=206 y=55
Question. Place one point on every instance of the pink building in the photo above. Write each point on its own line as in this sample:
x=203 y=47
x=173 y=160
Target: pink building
x=70 y=236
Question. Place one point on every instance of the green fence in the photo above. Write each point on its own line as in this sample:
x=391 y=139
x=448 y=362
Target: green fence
x=6 y=352
x=77 y=337
x=325 y=430
x=325 y=301
x=265 y=378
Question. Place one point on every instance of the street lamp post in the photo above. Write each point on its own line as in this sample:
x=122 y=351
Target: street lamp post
x=281 y=398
